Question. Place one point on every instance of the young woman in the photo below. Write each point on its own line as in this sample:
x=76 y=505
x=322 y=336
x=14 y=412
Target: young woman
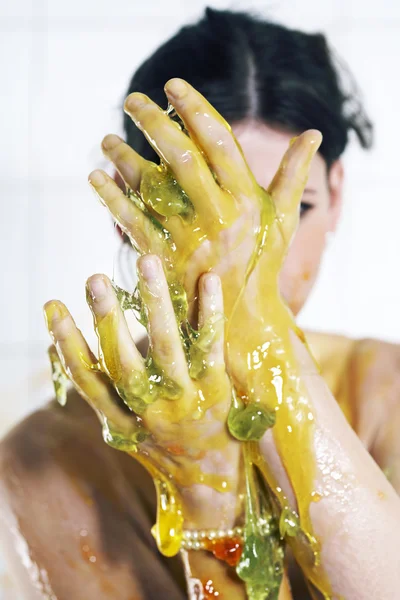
x=228 y=416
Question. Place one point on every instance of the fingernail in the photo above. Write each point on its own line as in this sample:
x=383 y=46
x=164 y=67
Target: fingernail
x=314 y=144
x=149 y=268
x=111 y=141
x=135 y=102
x=97 y=288
x=96 y=178
x=211 y=284
x=314 y=139
x=317 y=136
x=54 y=311
x=176 y=88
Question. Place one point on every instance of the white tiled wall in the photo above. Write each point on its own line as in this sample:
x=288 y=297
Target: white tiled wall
x=63 y=71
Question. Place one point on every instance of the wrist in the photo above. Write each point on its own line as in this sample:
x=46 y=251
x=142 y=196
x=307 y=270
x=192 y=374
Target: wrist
x=206 y=508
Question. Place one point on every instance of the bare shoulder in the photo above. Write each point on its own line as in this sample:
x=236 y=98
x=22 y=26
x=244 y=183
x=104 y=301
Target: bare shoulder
x=332 y=353
x=75 y=515
x=379 y=354
x=31 y=441
x=57 y=445
x=377 y=369
x=328 y=345
x=52 y=439
x=372 y=357
x=363 y=375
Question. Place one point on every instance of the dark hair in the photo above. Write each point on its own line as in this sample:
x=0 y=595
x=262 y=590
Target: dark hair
x=249 y=67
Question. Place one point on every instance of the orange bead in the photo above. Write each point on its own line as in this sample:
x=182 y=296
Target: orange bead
x=228 y=550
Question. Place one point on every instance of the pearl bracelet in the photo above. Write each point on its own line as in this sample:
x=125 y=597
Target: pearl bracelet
x=201 y=539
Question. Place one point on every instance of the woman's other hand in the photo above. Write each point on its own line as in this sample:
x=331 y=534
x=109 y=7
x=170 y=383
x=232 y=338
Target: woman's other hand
x=168 y=410
x=202 y=209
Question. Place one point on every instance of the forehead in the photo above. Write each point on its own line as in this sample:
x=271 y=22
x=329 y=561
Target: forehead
x=264 y=148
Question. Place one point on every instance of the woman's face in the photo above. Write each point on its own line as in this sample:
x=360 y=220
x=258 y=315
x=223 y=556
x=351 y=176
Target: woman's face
x=264 y=148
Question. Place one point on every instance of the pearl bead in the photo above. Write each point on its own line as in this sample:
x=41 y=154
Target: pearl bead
x=196 y=540
x=221 y=533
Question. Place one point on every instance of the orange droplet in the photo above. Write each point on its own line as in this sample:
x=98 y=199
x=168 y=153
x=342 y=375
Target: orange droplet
x=228 y=550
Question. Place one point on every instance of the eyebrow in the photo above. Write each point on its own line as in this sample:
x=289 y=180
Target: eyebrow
x=310 y=191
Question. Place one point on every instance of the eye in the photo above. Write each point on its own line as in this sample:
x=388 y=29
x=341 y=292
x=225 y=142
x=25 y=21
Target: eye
x=305 y=207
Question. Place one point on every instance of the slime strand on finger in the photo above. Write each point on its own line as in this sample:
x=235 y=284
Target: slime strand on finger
x=58 y=376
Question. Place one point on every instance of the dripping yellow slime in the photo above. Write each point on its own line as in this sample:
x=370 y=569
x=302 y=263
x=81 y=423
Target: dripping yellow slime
x=234 y=373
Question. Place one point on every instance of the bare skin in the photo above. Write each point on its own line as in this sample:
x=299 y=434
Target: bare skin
x=325 y=214
x=53 y=459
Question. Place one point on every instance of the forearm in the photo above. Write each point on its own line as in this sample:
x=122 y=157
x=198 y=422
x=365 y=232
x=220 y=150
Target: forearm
x=356 y=516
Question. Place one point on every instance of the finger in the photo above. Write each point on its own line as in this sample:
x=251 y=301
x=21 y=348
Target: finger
x=180 y=154
x=145 y=234
x=211 y=319
x=213 y=135
x=118 y=353
x=145 y=178
x=119 y=356
x=288 y=184
x=165 y=342
x=128 y=163
x=79 y=364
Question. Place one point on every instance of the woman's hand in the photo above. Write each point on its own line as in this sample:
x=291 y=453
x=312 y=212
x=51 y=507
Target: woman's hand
x=175 y=403
x=202 y=208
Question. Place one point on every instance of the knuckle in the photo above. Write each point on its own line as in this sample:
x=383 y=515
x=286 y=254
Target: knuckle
x=226 y=142
x=163 y=347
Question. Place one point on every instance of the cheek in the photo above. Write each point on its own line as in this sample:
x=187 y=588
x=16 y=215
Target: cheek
x=301 y=265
